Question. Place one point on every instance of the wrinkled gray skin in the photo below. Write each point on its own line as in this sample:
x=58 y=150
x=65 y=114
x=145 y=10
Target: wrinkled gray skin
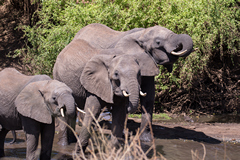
x=151 y=46
x=97 y=78
x=31 y=103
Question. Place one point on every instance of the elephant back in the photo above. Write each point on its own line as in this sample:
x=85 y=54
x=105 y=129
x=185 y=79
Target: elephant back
x=11 y=84
x=70 y=63
x=101 y=36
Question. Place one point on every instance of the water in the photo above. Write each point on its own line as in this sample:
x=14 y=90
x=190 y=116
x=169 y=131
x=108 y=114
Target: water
x=173 y=149
x=176 y=143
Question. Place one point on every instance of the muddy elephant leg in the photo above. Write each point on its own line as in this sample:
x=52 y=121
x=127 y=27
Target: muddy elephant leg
x=93 y=104
x=147 y=102
x=118 y=118
x=32 y=144
x=32 y=130
x=3 y=134
x=47 y=135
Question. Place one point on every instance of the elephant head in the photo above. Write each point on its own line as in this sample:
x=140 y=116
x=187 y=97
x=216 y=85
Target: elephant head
x=108 y=76
x=43 y=99
x=162 y=45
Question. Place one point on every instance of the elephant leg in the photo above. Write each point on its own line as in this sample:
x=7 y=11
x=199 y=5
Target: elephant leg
x=118 y=118
x=147 y=103
x=47 y=135
x=32 y=144
x=3 y=133
x=93 y=104
x=32 y=130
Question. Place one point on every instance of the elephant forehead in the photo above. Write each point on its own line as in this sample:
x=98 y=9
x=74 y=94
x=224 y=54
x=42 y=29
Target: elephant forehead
x=56 y=85
x=125 y=59
x=159 y=31
x=126 y=64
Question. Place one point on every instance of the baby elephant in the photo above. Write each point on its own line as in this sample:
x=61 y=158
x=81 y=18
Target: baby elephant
x=31 y=103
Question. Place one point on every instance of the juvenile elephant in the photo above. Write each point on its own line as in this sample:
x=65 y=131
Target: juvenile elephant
x=31 y=103
x=151 y=46
x=97 y=80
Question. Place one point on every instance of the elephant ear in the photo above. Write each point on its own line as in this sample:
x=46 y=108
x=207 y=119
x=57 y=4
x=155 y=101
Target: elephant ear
x=30 y=103
x=95 y=78
x=147 y=64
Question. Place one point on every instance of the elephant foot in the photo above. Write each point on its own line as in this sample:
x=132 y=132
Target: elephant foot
x=146 y=136
x=62 y=142
x=67 y=141
x=78 y=148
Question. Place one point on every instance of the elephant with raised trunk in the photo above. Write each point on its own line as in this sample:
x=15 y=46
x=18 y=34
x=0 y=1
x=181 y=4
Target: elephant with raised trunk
x=151 y=46
x=31 y=103
x=100 y=78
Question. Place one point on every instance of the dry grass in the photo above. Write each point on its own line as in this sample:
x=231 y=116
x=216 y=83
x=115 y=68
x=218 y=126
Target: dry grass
x=195 y=154
x=100 y=146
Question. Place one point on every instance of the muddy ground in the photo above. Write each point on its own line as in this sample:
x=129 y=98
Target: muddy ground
x=172 y=140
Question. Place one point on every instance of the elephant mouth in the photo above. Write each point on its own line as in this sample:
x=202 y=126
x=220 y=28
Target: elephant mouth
x=59 y=111
x=179 y=50
x=63 y=110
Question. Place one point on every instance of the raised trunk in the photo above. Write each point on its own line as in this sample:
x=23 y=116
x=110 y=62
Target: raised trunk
x=181 y=43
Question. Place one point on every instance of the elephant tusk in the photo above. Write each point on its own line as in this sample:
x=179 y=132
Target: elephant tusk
x=195 y=49
x=79 y=110
x=62 y=112
x=125 y=94
x=178 y=54
x=143 y=94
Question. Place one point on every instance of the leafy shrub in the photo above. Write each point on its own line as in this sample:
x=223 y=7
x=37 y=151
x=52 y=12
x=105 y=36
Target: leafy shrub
x=212 y=24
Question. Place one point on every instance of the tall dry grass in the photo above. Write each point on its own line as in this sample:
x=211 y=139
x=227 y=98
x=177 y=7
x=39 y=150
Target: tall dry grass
x=100 y=146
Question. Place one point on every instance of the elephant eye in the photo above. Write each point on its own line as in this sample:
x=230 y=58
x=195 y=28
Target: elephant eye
x=116 y=75
x=158 y=42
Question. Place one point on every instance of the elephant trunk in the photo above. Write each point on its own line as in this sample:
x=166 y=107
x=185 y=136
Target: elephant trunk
x=66 y=101
x=69 y=103
x=182 y=45
x=133 y=90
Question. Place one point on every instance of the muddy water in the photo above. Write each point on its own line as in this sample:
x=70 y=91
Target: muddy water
x=173 y=144
x=171 y=149
x=182 y=150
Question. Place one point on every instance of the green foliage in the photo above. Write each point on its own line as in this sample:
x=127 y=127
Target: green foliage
x=212 y=24
x=160 y=116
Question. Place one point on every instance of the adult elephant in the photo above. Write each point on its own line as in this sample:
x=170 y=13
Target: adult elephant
x=99 y=78
x=151 y=46
x=31 y=103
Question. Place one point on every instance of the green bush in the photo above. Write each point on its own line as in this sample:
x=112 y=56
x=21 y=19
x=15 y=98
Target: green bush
x=212 y=24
